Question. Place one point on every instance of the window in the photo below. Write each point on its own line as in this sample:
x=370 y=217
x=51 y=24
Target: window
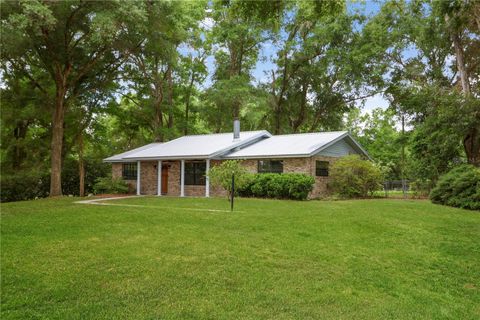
x=270 y=166
x=321 y=168
x=129 y=171
x=195 y=173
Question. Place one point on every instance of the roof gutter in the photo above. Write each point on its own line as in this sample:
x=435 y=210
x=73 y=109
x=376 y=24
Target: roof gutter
x=273 y=156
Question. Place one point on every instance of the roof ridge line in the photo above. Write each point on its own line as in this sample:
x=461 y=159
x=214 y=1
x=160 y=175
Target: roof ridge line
x=208 y=134
x=298 y=134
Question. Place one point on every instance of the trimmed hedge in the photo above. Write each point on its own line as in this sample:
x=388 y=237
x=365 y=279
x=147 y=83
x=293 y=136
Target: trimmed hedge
x=460 y=187
x=294 y=186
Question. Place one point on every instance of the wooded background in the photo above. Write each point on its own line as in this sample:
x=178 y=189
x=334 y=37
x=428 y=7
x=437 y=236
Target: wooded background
x=82 y=80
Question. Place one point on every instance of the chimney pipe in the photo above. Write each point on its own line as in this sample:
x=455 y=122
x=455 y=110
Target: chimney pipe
x=236 y=129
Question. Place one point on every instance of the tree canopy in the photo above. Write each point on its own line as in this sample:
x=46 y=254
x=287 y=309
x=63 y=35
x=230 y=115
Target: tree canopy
x=82 y=80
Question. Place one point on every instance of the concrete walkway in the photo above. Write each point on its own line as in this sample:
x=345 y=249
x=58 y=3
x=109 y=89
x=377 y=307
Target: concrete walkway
x=99 y=202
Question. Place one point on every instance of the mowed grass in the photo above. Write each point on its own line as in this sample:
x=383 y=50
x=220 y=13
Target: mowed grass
x=171 y=258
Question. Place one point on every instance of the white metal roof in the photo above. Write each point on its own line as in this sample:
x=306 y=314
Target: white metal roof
x=191 y=147
x=252 y=144
x=293 y=145
x=120 y=156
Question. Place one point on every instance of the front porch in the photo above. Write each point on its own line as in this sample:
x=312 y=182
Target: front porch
x=168 y=177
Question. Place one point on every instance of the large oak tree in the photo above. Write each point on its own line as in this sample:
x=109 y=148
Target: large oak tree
x=75 y=45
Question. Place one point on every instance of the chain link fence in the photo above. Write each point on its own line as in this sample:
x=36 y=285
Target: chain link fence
x=406 y=189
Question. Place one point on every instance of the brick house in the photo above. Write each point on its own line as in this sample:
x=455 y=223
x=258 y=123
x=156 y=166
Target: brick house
x=179 y=167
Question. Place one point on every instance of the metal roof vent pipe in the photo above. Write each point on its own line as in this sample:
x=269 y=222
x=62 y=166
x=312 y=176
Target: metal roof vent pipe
x=236 y=129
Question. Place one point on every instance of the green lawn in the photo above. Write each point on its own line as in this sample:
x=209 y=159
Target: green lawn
x=170 y=258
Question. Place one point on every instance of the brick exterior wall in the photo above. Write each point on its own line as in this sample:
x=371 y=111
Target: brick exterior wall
x=195 y=191
x=117 y=173
x=148 y=177
x=173 y=178
x=320 y=188
x=290 y=165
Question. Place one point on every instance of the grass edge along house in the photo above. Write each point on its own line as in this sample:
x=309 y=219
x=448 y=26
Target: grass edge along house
x=178 y=167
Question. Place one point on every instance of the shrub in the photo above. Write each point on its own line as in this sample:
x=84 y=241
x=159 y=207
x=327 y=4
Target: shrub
x=94 y=169
x=109 y=185
x=354 y=177
x=31 y=183
x=221 y=175
x=460 y=187
x=301 y=187
x=246 y=189
x=24 y=185
x=261 y=184
x=295 y=186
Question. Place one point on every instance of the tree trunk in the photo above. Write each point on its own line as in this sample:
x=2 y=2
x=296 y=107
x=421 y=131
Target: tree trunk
x=285 y=77
x=187 y=103
x=462 y=70
x=81 y=166
x=19 y=153
x=235 y=69
x=303 y=105
x=471 y=143
x=283 y=89
x=157 y=93
x=61 y=75
x=170 y=99
x=57 y=143
x=158 y=120
x=187 y=106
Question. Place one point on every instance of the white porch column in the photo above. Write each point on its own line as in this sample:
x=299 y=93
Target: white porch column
x=139 y=173
x=207 y=180
x=182 y=178
x=159 y=178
